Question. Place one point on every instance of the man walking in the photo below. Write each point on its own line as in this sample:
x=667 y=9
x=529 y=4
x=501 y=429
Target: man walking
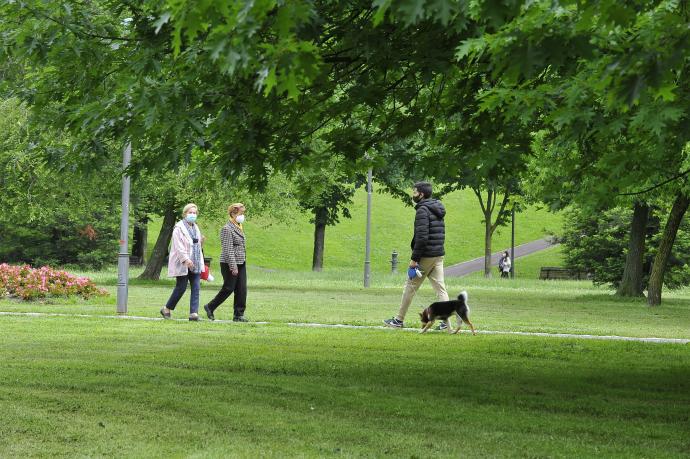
x=427 y=249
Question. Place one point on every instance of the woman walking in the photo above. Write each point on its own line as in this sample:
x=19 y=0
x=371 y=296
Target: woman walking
x=185 y=262
x=505 y=265
x=232 y=265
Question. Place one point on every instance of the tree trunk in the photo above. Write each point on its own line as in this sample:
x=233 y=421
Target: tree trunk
x=320 y=216
x=489 y=226
x=487 y=245
x=140 y=240
x=656 y=278
x=155 y=264
x=631 y=283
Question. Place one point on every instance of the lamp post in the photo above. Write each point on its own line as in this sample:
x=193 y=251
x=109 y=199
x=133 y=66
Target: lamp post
x=367 y=247
x=512 y=242
x=123 y=255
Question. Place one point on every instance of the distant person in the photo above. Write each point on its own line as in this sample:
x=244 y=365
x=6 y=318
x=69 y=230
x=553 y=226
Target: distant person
x=232 y=265
x=427 y=249
x=185 y=262
x=504 y=265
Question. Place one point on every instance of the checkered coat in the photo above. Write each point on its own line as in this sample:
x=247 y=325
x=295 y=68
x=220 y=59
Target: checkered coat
x=232 y=245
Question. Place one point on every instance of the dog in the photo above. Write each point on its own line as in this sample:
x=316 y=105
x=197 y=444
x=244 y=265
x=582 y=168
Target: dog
x=443 y=310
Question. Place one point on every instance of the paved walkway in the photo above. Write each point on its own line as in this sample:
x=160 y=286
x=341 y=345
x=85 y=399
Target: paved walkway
x=468 y=267
x=365 y=327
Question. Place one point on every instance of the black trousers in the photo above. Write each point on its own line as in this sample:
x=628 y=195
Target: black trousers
x=232 y=284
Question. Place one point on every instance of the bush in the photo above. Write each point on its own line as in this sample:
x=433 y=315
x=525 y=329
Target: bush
x=597 y=242
x=30 y=283
x=60 y=243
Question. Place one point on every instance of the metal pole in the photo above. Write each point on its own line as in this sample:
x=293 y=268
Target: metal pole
x=512 y=243
x=123 y=255
x=367 y=250
x=394 y=262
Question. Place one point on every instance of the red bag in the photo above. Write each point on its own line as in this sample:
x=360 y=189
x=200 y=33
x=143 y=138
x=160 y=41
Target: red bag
x=206 y=272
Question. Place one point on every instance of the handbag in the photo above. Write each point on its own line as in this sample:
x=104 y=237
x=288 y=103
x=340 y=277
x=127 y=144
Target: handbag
x=206 y=273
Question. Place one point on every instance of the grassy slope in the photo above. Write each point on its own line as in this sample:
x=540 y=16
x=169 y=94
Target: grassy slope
x=528 y=267
x=88 y=387
x=289 y=245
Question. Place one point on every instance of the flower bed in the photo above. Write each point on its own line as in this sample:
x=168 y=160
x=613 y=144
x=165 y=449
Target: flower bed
x=30 y=283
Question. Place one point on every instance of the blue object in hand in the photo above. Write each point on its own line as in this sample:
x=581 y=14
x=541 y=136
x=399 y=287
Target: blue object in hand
x=414 y=272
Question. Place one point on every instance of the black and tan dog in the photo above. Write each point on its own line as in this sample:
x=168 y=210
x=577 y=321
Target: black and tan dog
x=443 y=310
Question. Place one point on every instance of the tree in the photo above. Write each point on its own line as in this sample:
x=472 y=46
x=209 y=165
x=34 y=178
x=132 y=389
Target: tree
x=632 y=282
x=155 y=72
x=656 y=278
x=52 y=214
x=603 y=77
x=595 y=242
x=325 y=190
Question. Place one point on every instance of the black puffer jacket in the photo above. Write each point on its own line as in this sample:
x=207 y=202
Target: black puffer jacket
x=429 y=230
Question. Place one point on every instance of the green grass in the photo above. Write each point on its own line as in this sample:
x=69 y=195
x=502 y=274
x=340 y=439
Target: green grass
x=103 y=387
x=99 y=386
x=289 y=245
x=528 y=267
x=337 y=297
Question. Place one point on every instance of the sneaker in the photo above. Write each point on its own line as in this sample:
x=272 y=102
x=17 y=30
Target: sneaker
x=194 y=317
x=209 y=313
x=442 y=326
x=394 y=322
x=166 y=315
x=240 y=319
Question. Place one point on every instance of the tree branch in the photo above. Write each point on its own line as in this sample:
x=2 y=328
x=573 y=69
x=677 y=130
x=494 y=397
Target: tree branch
x=658 y=185
x=491 y=201
x=481 y=201
x=500 y=212
x=79 y=32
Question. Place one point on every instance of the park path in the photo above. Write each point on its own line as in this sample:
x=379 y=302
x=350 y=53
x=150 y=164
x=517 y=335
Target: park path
x=468 y=267
x=362 y=327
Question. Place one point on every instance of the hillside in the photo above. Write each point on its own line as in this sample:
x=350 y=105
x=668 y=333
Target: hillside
x=276 y=245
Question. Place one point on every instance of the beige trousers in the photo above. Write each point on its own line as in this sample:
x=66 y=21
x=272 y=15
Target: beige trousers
x=431 y=268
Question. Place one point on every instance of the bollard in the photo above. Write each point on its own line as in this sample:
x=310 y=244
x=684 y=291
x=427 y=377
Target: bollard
x=394 y=262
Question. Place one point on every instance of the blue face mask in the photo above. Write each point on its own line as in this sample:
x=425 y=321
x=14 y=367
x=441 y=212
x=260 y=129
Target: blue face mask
x=191 y=218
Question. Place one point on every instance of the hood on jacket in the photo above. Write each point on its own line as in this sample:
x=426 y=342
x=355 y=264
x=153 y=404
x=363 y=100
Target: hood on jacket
x=434 y=206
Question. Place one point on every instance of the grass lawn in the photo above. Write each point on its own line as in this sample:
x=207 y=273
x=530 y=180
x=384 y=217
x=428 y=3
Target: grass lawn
x=72 y=386
x=337 y=296
x=103 y=387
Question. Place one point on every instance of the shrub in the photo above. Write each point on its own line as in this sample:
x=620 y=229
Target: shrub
x=596 y=242
x=30 y=283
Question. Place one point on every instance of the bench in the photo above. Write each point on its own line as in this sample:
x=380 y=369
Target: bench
x=555 y=272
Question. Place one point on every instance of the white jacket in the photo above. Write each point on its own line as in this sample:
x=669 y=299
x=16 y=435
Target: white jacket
x=181 y=250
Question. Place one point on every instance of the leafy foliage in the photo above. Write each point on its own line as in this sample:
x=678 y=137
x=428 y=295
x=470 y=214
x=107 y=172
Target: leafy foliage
x=51 y=215
x=596 y=242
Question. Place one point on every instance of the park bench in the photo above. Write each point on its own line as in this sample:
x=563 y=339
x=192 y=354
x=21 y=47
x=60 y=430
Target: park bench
x=555 y=272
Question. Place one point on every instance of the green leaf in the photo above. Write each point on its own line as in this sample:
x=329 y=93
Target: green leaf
x=382 y=7
x=470 y=48
x=270 y=81
x=162 y=20
x=666 y=92
x=413 y=10
x=444 y=10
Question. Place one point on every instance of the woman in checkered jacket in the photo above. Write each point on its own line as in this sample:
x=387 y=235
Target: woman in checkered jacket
x=232 y=265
